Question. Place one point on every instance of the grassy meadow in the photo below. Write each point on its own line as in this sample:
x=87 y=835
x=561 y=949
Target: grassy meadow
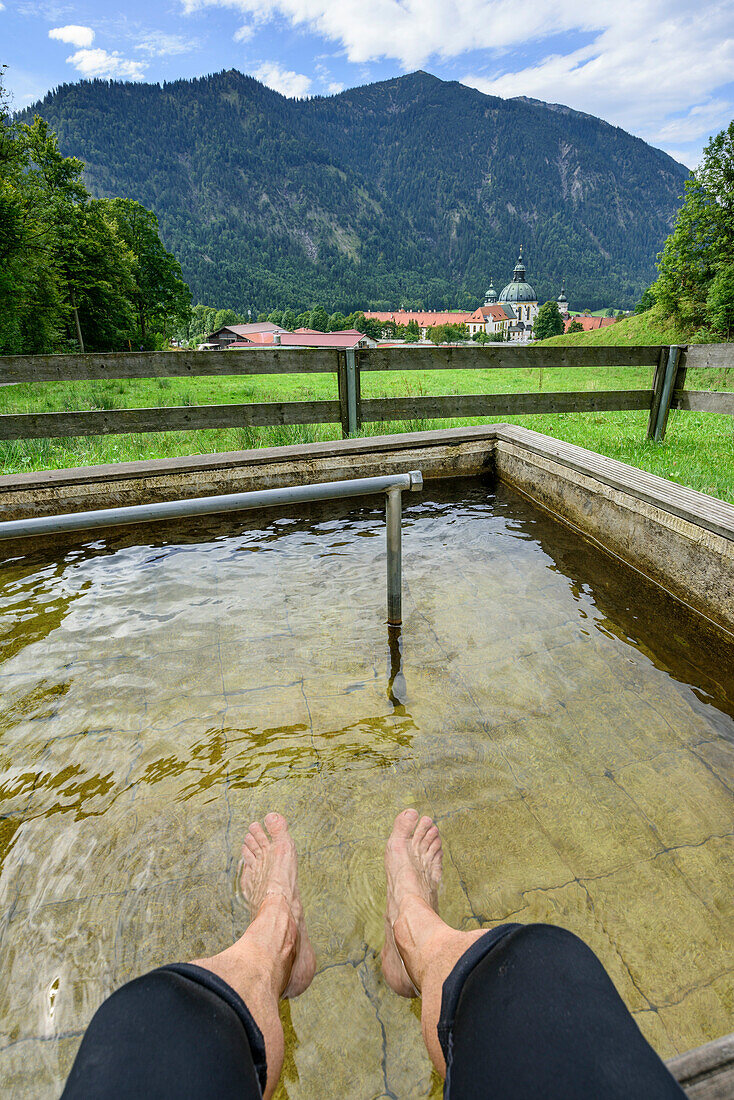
x=698 y=449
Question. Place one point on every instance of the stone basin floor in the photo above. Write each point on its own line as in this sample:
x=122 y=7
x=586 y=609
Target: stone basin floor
x=566 y=724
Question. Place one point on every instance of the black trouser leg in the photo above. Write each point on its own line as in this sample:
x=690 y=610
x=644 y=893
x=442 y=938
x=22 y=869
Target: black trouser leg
x=529 y=1013
x=177 y=1032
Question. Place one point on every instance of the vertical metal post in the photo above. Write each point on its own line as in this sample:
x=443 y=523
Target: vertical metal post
x=671 y=370
x=351 y=392
x=394 y=557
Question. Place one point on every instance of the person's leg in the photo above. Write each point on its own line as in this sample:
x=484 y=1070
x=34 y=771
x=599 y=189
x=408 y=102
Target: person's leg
x=518 y=1012
x=211 y=1027
x=420 y=949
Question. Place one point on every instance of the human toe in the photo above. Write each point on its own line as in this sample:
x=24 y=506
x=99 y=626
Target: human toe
x=405 y=823
x=276 y=824
x=259 y=834
x=421 y=830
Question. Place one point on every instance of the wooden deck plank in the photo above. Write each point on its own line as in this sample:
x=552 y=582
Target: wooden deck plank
x=707 y=1073
x=697 y=508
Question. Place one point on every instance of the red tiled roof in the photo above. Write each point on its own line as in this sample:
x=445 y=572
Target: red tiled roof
x=425 y=319
x=497 y=313
x=590 y=323
x=304 y=338
x=248 y=330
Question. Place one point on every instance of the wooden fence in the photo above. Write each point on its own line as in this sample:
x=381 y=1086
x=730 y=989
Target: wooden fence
x=669 y=366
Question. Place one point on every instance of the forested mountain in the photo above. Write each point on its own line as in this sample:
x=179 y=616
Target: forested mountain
x=413 y=191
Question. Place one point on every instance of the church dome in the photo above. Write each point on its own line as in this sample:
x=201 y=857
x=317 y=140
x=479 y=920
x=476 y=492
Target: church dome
x=518 y=290
x=491 y=295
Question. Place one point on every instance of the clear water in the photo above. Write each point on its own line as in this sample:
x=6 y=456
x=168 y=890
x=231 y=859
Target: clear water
x=567 y=726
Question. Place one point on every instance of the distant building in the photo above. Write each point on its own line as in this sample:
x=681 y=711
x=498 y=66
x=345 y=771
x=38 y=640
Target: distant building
x=346 y=340
x=228 y=334
x=510 y=313
x=520 y=296
x=563 y=301
x=589 y=324
x=490 y=318
x=425 y=318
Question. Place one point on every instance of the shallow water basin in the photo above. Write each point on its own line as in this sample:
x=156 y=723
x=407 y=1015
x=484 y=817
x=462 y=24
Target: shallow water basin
x=567 y=724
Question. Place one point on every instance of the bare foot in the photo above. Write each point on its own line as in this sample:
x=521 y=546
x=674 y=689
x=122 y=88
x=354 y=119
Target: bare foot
x=413 y=858
x=270 y=867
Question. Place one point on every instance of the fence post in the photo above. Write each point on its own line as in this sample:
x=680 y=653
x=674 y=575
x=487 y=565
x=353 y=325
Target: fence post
x=666 y=394
x=353 y=395
x=341 y=374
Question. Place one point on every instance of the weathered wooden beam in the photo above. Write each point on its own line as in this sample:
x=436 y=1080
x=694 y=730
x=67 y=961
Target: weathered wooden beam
x=703 y=401
x=706 y=1073
x=172 y=419
x=502 y=404
x=166 y=364
x=705 y=356
x=503 y=356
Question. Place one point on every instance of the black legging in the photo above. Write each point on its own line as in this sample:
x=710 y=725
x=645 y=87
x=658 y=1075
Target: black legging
x=528 y=1013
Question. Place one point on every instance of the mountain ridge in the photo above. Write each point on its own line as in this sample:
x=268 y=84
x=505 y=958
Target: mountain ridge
x=412 y=190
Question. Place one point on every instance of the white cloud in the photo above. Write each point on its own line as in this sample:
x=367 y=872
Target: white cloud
x=243 y=33
x=643 y=65
x=159 y=44
x=285 y=81
x=73 y=35
x=653 y=70
x=335 y=87
x=101 y=63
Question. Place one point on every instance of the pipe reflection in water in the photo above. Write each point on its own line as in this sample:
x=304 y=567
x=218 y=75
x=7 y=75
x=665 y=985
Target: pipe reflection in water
x=397 y=689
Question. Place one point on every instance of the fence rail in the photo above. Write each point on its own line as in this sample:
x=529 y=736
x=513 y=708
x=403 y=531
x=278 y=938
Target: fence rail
x=351 y=410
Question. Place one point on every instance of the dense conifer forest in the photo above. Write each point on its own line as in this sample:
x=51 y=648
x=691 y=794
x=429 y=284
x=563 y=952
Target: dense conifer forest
x=409 y=192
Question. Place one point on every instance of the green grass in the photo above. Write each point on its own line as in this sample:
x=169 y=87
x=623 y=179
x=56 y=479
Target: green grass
x=698 y=450
x=645 y=328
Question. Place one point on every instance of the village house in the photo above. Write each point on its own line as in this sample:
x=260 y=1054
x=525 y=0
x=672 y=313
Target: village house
x=589 y=324
x=345 y=340
x=265 y=334
x=228 y=334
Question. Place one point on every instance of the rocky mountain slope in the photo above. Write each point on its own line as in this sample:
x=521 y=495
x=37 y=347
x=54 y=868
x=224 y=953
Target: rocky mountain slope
x=412 y=191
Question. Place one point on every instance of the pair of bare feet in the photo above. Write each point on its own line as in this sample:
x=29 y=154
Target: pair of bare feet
x=413 y=858
x=274 y=958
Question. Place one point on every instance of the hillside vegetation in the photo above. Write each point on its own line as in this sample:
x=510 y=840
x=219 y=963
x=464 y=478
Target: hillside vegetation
x=647 y=328
x=413 y=191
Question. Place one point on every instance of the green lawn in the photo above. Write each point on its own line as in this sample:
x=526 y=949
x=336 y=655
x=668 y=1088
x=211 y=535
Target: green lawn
x=698 y=449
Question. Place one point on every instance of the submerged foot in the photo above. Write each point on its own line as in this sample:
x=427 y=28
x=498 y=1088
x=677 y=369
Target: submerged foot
x=413 y=858
x=270 y=868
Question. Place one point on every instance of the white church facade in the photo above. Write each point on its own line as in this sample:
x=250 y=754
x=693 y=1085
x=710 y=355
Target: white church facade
x=519 y=305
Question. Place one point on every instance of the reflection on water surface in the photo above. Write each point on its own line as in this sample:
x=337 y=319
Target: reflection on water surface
x=569 y=728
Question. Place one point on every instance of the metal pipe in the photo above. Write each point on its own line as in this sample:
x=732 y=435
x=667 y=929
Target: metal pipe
x=202 y=506
x=394 y=515
x=671 y=369
x=393 y=485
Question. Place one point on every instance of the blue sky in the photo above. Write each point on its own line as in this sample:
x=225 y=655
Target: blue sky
x=662 y=69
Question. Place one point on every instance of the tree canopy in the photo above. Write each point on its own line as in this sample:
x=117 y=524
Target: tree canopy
x=548 y=322
x=76 y=273
x=697 y=262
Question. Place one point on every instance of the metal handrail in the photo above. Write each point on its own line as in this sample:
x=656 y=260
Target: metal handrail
x=392 y=485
